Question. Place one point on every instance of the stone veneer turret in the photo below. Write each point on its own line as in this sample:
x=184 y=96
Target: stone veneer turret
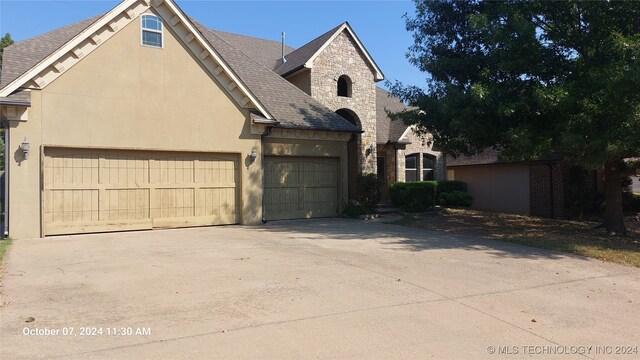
x=342 y=57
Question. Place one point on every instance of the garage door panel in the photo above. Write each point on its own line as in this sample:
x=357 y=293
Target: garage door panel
x=120 y=170
x=125 y=204
x=110 y=190
x=69 y=205
x=63 y=170
x=216 y=202
x=297 y=187
x=174 y=202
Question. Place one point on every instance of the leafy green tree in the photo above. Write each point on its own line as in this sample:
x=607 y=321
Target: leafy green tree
x=4 y=42
x=532 y=79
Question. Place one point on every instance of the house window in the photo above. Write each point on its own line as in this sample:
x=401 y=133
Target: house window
x=151 y=31
x=428 y=167
x=411 y=168
x=344 y=86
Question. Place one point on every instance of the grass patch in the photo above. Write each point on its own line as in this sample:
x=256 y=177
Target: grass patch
x=4 y=245
x=574 y=237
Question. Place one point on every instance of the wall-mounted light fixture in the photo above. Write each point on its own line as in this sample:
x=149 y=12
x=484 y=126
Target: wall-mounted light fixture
x=369 y=150
x=254 y=154
x=25 y=146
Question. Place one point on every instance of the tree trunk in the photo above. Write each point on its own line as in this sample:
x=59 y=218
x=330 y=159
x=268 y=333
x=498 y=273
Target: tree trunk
x=613 y=216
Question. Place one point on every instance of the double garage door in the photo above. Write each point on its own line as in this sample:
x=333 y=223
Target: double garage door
x=110 y=190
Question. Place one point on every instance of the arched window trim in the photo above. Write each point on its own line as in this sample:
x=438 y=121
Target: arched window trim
x=428 y=170
x=344 y=86
x=151 y=31
x=411 y=167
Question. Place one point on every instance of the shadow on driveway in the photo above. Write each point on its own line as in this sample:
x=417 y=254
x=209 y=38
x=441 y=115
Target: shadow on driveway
x=400 y=238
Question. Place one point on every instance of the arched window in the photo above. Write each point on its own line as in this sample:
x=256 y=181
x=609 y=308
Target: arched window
x=151 y=31
x=344 y=86
x=428 y=167
x=411 y=168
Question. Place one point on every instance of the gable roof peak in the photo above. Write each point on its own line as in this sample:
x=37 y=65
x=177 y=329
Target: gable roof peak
x=94 y=32
x=303 y=57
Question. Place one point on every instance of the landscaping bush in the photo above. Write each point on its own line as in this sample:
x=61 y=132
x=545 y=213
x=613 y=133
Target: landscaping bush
x=355 y=209
x=456 y=198
x=413 y=196
x=449 y=186
x=367 y=190
x=631 y=202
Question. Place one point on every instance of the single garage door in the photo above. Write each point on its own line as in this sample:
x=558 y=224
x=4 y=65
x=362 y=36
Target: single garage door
x=297 y=187
x=109 y=190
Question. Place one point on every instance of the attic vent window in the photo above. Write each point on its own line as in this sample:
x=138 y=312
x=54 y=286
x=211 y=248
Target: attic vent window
x=344 y=86
x=151 y=31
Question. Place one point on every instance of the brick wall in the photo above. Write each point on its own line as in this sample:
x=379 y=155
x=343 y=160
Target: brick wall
x=541 y=186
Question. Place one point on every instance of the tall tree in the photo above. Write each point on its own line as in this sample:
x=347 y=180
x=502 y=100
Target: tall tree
x=4 y=42
x=532 y=78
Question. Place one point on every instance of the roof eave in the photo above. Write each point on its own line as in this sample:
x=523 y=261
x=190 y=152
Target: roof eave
x=295 y=70
x=261 y=120
x=10 y=102
x=356 y=131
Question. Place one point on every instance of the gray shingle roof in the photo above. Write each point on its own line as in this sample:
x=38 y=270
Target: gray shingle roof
x=292 y=107
x=297 y=58
x=486 y=156
x=22 y=56
x=266 y=52
x=388 y=130
x=19 y=97
x=492 y=156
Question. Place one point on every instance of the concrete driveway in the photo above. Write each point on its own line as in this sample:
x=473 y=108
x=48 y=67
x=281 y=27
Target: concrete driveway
x=332 y=288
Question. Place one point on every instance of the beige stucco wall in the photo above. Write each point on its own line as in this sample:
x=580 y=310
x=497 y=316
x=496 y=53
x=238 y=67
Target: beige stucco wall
x=124 y=95
x=302 y=80
x=503 y=188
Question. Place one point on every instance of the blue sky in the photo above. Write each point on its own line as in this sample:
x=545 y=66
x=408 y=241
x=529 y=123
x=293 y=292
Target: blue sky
x=378 y=24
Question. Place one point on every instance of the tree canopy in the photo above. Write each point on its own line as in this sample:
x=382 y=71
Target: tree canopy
x=4 y=42
x=531 y=78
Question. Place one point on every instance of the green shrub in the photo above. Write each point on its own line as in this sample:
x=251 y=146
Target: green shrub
x=449 y=186
x=367 y=190
x=631 y=202
x=413 y=196
x=355 y=209
x=456 y=198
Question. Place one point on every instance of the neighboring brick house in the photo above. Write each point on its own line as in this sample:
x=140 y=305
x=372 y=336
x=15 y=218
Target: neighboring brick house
x=528 y=188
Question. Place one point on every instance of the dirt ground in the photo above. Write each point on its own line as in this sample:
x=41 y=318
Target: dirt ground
x=579 y=237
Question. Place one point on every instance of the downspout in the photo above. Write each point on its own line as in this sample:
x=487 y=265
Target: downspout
x=267 y=132
x=7 y=146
